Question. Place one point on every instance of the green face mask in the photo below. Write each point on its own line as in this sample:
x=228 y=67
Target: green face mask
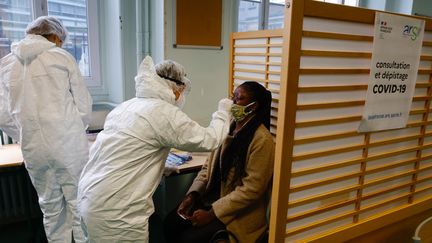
x=239 y=112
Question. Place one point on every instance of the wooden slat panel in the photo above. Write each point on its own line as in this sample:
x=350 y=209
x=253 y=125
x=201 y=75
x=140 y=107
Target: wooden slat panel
x=425 y=168
x=350 y=14
x=256 y=79
x=319 y=223
x=424 y=71
x=296 y=173
x=352 y=54
x=387 y=190
x=328 y=152
x=334 y=70
x=393 y=153
x=347 y=71
x=337 y=36
x=273 y=72
x=331 y=105
x=332 y=88
x=320 y=138
x=258 y=34
x=395 y=140
x=289 y=106
x=391 y=166
x=256 y=45
x=310 y=123
x=311 y=139
x=331 y=166
x=320 y=53
x=249 y=70
x=257 y=63
x=327 y=121
x=257 y=54
x=325 y=181
x=370 y=224
x=389 y=178
x=320 y=210
x=423 y=189
x=296 y=203
x=344 y=215
x=290 y=69
x=384 y=202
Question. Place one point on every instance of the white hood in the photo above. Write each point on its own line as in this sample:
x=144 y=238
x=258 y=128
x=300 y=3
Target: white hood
x=149 y=85
x=31 y=46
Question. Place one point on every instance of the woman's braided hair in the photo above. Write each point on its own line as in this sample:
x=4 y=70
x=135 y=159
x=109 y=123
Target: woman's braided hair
x=235 y=154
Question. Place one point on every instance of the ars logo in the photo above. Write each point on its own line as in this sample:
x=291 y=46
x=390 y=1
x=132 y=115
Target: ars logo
x=411 y=31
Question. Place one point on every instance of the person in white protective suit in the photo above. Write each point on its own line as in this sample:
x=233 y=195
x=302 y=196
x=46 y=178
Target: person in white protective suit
x=128 y=157
x=45 y=105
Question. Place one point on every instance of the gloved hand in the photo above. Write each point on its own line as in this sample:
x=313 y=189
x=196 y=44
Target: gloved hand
x=225 y=105
x=169 y=169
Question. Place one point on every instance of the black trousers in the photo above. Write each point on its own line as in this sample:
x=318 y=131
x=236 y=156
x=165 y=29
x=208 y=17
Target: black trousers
x=179 y=230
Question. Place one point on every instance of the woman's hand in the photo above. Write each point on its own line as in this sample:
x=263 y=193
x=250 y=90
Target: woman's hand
x=202 y=217
x=186 y=205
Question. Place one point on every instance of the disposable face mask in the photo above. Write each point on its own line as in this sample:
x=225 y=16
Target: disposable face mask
x=180 y=101
x=239 y=112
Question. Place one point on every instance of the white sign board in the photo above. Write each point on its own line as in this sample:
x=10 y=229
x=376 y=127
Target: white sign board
x=393 y=72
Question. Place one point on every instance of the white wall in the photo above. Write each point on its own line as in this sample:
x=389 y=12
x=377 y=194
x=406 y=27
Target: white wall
x=129 y=50
x=373 y=4
x=422 y=7
x=207 y=69
x=403 y=7
x=157 y=30
x=111 y=52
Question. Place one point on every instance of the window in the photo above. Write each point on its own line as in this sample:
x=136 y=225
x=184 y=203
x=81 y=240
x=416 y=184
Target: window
x=268 y=14
x=260 y=14
x=275 y=14
x=82 y=42
x=249 y=17
x=354 y=3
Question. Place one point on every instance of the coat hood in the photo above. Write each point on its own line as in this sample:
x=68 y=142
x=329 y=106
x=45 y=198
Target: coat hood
x=31 y=46
x=149 y=85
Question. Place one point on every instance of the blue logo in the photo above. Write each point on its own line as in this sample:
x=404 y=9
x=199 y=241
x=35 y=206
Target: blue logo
x=411 y=31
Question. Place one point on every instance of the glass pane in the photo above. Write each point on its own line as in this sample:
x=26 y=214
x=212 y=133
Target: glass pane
x=73 y=14
x=333 y=1
x=249 y=16
x=278 y=1
x=14 y=17
x=351 y=3
x=276 y=16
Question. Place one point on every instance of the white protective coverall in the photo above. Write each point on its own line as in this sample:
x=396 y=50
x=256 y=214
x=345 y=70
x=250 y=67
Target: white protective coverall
x=44 y=104
x=128 y=157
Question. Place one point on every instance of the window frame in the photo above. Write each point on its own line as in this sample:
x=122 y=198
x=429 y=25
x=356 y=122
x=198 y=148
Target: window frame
x=263 y=18
x=264 y=9
x=342 y=2
x=94 y=81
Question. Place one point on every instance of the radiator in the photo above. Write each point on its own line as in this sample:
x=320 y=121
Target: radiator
x=18 y=198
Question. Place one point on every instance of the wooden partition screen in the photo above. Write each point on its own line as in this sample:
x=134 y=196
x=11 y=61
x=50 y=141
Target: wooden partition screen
x=332 y=183
x=256 y=56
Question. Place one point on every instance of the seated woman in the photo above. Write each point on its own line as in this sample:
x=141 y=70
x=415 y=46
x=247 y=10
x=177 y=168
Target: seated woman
x=232 y=189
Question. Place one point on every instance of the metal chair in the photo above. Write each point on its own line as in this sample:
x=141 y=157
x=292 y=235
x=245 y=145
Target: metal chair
x=5 y=139
x=416 y=238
